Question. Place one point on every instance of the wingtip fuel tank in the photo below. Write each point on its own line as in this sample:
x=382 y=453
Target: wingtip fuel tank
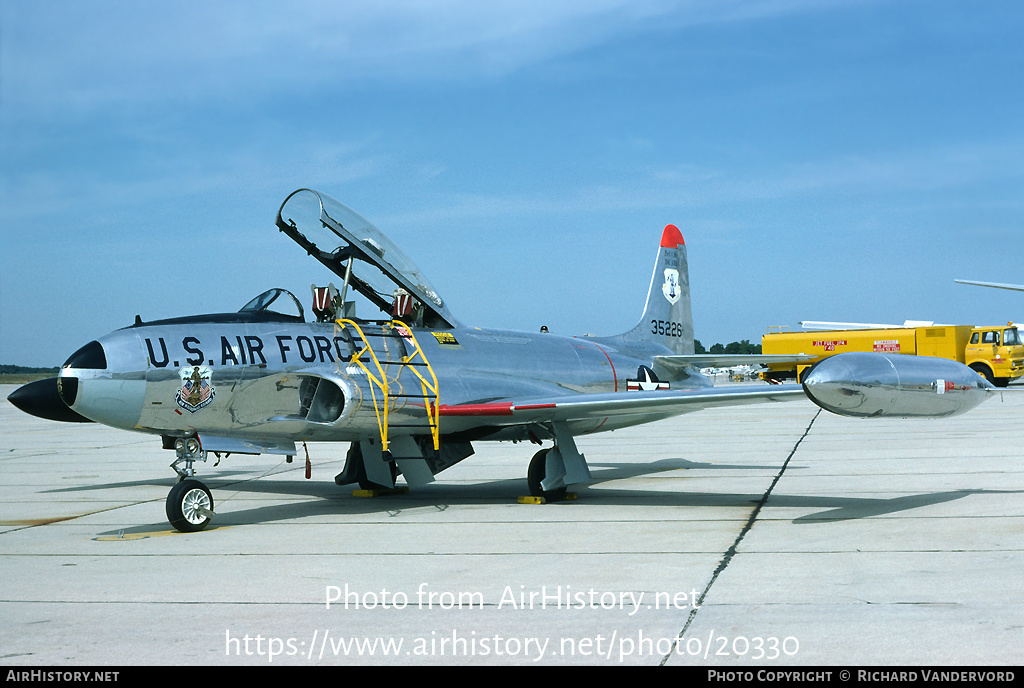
x=865 y=385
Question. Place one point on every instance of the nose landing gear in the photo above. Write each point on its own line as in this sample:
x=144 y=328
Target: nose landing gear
x=189 y=506
x=189 y=503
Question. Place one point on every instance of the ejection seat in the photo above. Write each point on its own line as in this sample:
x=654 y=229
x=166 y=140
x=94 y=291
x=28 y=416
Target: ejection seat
x=326 y=302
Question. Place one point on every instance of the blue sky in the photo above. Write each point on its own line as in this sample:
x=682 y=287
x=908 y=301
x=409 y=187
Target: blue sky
x=825 y=160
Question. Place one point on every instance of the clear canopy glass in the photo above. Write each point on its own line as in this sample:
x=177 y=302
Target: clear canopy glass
x=358 y=252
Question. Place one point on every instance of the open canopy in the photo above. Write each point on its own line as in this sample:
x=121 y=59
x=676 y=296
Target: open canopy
x=360 y=254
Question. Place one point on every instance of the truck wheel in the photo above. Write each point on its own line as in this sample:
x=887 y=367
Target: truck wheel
x=984 y=371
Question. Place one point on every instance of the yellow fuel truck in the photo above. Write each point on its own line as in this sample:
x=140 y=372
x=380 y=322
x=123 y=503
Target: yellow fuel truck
x=996 y=352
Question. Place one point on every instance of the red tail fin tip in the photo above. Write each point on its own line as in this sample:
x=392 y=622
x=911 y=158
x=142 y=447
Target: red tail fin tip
x=671 y=237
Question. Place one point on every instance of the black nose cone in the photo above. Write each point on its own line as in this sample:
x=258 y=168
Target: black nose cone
x=42 y=398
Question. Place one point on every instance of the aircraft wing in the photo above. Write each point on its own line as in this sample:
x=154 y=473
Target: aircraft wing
x=587 y=406
x=1013 y=287
x=830 y=326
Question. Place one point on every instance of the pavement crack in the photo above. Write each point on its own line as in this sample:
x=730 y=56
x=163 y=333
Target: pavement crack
x=731 y=552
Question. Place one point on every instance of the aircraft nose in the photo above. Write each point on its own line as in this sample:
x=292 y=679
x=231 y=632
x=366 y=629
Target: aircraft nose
x=103 y=388
x=42 y=398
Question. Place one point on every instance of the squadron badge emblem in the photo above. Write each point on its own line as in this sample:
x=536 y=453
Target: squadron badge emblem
x=196 y=390
x=671 y=286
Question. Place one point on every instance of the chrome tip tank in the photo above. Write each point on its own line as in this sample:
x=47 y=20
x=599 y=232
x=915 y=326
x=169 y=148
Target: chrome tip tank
x=866 y=385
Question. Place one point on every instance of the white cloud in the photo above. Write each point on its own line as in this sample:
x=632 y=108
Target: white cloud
x=89 y=55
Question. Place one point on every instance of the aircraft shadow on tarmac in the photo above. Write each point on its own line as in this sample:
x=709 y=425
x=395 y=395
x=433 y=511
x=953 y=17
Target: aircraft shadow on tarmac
x=321 y=498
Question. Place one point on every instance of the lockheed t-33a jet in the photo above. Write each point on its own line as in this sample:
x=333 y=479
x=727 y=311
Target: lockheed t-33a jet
x=410 y=388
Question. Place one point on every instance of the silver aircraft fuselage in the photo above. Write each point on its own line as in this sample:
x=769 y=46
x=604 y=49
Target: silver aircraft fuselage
x=261 y=374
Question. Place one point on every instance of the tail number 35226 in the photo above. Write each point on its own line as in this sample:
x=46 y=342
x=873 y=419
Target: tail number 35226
x=668 y=328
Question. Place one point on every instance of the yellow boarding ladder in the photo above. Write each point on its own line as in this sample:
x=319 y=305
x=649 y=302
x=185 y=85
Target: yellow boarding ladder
x=378 y=380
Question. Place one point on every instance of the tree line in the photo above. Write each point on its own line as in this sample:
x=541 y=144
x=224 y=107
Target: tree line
x=741 y=347
x=23 y=370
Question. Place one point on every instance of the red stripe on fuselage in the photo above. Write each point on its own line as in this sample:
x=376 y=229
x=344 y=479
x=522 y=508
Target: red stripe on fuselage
x=615 y=378
x=501 y=409
x=504 y=409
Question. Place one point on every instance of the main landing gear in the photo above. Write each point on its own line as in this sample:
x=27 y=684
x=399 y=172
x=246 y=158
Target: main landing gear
x=552 y=470
x=190 y=502
x=536 y=474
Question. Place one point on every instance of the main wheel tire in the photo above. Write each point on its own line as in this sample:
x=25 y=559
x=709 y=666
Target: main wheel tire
x=536 y=473
x=189 y=505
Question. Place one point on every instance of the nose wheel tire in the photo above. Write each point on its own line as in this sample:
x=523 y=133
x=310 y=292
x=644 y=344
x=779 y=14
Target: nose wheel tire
x=189 y=506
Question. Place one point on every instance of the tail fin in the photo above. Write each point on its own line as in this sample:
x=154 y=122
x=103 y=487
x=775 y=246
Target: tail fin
x=667 y=320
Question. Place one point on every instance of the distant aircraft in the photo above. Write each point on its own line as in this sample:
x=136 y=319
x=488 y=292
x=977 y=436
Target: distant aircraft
x=829 y=325
x=411 y=390
x=997 y=285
